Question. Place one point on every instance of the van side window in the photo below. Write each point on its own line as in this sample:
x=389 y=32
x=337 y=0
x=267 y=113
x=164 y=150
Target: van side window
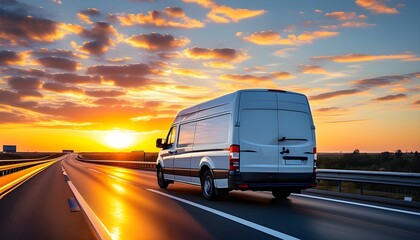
x=186 y=135
x=171 y=137
x=212 y=130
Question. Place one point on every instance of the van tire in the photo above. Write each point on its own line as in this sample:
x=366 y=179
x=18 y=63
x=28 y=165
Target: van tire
x=281 y=194
x=208 y=189
x=161 y=178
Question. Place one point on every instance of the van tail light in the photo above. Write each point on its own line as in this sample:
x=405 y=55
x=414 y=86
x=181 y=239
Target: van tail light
x=234 y=158
x=315 y=159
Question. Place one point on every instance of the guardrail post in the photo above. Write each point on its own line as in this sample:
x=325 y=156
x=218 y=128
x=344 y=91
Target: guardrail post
x=361 y=188
x=339 y=186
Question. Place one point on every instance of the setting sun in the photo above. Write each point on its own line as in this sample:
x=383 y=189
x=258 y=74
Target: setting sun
x=119 y=139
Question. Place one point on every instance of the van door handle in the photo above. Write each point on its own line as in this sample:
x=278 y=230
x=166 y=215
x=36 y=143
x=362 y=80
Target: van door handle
x=173 y=152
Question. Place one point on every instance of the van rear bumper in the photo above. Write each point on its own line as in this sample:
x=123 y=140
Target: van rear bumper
x=271 y=181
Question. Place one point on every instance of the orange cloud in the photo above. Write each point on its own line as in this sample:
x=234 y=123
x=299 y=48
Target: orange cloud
x=85 y=15
x=342 y=16
x=11 y=58
x=362 y=57
x=333 y=94
x=391 y=97
x=189 y=72
x=245 y=78
x=223 y=65
x=274 y=38
x=282 y=75
x=312 y=69
x=20 y=29
x=225 y=14
x=171 y=17
x=357 y=24
x=157 y=41
x=376 y=6
x=59 y=63
x=224 y=54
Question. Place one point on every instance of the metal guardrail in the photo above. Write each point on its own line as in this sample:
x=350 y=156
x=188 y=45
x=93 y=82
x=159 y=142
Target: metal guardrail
x=11 y=168
x=387 y=178
x=127 y=164
x=16 y=161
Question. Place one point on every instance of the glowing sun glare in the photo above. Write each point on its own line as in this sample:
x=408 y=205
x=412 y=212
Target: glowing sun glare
x=119 y=139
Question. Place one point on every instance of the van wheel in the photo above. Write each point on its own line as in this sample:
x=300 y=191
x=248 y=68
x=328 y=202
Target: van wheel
x=207 y=186
x=161 y=178
x=281 y=194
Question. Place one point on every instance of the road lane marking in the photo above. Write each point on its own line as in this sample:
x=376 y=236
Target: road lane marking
x=93 y=170
x=358 y=204
x=100 y=229
x=244 y=222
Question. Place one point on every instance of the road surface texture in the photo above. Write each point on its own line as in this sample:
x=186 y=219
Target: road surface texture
x=130 y=205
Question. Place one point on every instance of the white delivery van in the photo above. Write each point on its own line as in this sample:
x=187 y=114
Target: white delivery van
x=256 y=139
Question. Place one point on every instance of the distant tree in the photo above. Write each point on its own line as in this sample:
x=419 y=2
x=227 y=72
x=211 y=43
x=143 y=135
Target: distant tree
x=398 y=153
x=356 y=151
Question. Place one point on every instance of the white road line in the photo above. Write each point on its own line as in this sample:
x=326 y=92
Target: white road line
x=93 y=170
x=358 y=204
x=247 y=223
x=100 y=229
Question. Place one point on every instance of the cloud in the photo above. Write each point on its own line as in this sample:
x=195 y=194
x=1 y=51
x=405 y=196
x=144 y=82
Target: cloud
x=224 y=54
x=357 y=57
x=60 y=88
x=416 y=102
x=85 y=15
x=274 y=38
x=14 y=118
x=376 y=6
x=75 y=78
x=59 y=63
x=357 y=24
x=342 y=16
x=14 y=99
x=366 y=84
x=105 y=93
x=111 y=102
x=10 y=58
x=157 y=41
x=26 y=86
x=245 y=78
x=132 y=75
x=312 y=69
x=100 y=36
x=225 y=14
x=45 y=52
x=23 y=72
x=380 y=81
x=171 y=17
x=19 y=28
x=189 y=72
x=391 y=97
x=333 y=94
x=282 y=75
x=169 y=55
x=284 y=52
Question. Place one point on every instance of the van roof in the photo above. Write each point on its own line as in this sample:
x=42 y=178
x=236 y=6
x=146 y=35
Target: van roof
x=224 y=100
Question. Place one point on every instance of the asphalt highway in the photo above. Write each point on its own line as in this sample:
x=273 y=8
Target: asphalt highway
x=130 y=205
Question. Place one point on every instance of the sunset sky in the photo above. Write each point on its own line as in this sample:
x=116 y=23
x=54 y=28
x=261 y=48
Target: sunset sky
x=112 y=75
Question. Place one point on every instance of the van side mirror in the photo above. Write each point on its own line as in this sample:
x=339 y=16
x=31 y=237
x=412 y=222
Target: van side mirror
x=159 y=143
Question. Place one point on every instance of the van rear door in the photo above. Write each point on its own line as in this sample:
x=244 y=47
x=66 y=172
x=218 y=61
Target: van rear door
x=276 y=133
